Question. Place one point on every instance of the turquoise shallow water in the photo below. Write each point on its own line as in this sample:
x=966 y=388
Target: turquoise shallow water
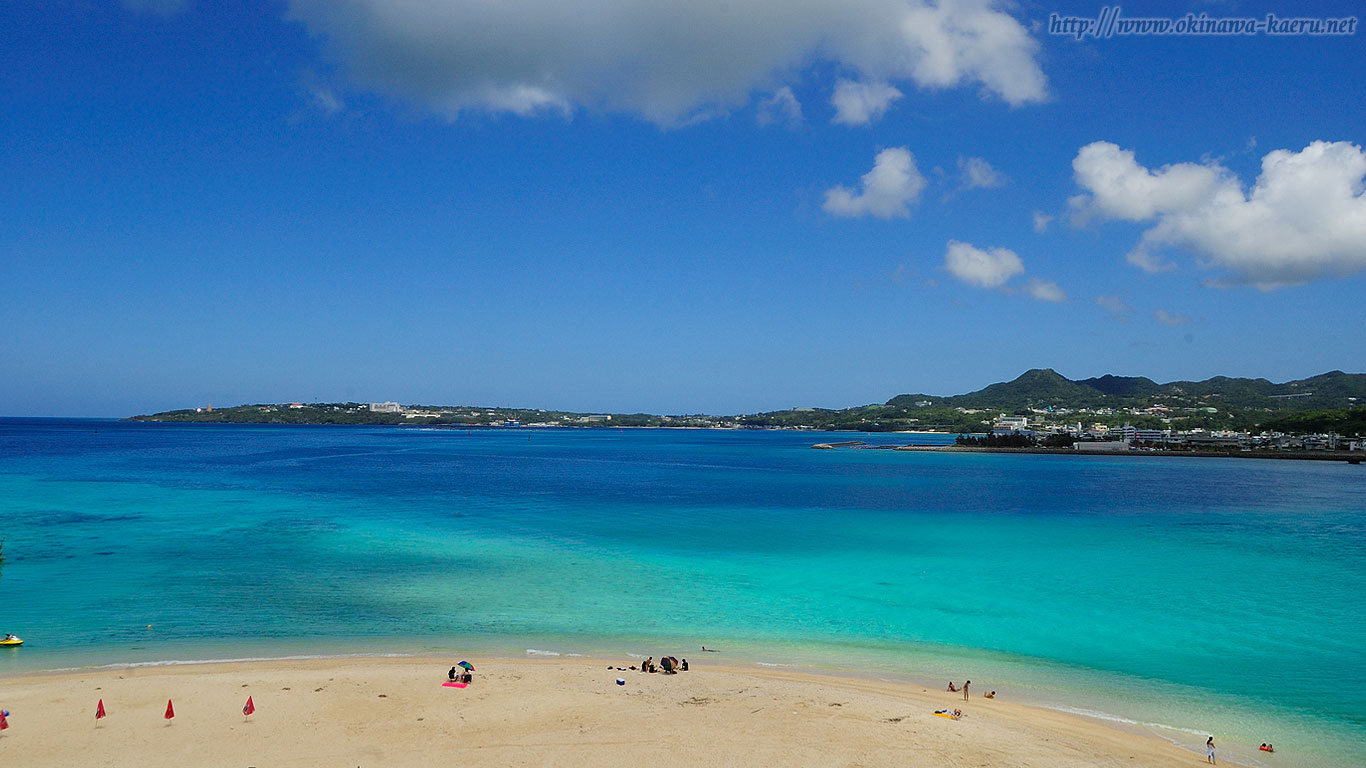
x=1196 y=596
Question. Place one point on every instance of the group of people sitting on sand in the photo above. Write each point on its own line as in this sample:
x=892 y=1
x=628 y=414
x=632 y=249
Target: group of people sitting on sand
x=461 y=675
x=667 y=664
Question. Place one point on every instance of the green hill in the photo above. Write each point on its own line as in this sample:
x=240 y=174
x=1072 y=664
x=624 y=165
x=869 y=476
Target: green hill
x=1037 y=388
x=1123 y=386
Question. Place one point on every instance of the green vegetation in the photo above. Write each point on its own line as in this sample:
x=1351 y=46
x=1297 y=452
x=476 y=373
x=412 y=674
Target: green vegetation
x=873 y=418
x=1015 y=440
x=1345 y=422
x=319 y=413
x=1316 y=404
x=1045 y=387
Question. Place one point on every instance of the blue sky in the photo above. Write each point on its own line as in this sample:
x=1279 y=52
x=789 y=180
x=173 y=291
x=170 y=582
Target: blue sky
x=679 y=207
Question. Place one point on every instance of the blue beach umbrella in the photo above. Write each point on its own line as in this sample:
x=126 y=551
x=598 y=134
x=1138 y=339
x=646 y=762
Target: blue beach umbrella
x=467 y=665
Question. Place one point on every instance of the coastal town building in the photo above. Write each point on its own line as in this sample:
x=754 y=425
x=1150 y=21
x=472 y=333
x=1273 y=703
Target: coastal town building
x=1006 y=425
x=1133 y=434
x=388 y=407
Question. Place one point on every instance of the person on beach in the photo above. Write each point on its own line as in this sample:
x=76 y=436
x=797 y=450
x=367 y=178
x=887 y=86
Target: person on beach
x=1209 y=751
x=451 y=674
x=991 y=695
x=952 y=688
x=965 y=690
x=684 y=665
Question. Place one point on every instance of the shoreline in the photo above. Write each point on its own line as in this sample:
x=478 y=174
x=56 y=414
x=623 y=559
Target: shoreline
x=1344 y=456
x=562 y=711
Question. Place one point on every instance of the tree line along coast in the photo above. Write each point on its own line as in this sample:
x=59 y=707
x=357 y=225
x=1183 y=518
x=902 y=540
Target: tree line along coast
x=1039 y=405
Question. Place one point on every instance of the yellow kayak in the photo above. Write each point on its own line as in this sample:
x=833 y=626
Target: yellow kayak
x=11 y=641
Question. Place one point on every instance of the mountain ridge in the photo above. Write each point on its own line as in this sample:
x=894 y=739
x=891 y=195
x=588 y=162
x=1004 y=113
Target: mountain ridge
x=1043 y=387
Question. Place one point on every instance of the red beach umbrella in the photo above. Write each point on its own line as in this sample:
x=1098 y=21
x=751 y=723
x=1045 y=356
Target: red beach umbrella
x=170 y=710
x=4 y=722
x=249 y=708
x=99 y=710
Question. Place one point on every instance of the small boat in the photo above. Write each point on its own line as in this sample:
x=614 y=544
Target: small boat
x=10 y=641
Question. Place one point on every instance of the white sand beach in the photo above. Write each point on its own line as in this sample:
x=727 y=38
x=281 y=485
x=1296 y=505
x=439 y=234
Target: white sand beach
x=521 y=712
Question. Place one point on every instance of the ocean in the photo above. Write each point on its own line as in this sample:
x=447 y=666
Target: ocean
x=1182 y=597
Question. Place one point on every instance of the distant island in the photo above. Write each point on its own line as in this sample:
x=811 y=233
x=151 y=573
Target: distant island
x=1037 y=404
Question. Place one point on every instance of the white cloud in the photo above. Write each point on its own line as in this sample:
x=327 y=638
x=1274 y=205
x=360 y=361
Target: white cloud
x=886 y=191
x=861 y=103
x=1148 y=262
x=667 y=61
x=995 y=268
x=1120 y=188
x=990 y=268
x=323 y=96
x=781 y=107
x=978 y=174
x=1041 y=221
x=1167 y=318
x=1044 y=290
x=1303 y=219
x=1118 y=308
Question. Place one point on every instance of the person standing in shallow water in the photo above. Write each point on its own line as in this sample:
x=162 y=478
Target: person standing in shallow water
x=965 y=690
x=1209 y=751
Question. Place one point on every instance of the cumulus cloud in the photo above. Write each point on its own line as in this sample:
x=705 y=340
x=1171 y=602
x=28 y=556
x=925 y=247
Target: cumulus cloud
x=978 y=174
x=1303 y=219
x=667 y=61
x=1044 y=290
x=781 y=107
x=1167 y=318
x=1041 y=221
x=886 y=192
x=994 y=268
x=1119 y=188
x=1118 y=308
x=990 y=268
x=861 y=103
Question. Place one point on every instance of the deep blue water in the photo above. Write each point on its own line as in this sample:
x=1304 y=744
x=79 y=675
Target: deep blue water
x=1205 y=595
